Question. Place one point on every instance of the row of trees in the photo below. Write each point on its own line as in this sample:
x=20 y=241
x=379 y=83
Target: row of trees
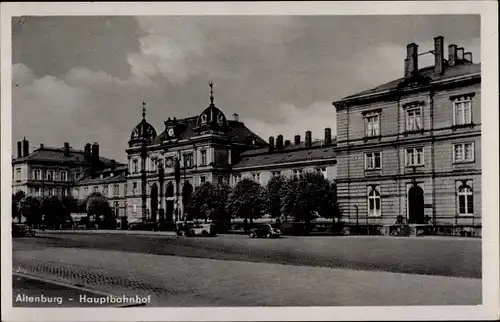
x=298 y=199
x=55 y=211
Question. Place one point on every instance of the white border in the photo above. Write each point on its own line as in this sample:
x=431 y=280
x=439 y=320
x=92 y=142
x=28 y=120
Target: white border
x=489 y=58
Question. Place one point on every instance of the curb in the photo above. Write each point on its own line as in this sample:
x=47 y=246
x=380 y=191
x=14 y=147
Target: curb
x=110 y=232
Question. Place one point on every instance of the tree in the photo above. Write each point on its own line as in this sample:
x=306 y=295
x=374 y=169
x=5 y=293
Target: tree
x=247 y=200
x=288 y=194
x=16 y=198
x=219 y=198
x=209 y=202
x=30 y=208
x=197 y=208
x=98 y=206
x=274 y=196
x=70 y=205
x=53 y=211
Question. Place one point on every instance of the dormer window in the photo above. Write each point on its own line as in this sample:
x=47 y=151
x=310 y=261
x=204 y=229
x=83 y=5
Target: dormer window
x=204 y=118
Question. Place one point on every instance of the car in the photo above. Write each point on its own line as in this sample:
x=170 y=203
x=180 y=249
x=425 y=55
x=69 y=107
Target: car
x=267 y=231
x=21 y=230
x=205 y=230
x=143 y=226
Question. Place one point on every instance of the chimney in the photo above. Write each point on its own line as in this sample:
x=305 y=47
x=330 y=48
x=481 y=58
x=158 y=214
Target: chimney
x=236 y=117
x=279 y=142
x=41 y=146
x=468 y=57
x=452 y=55
x=271 y=143
x=19 y=149
x=308 y=138
x=328 y=135
x=460 y=54
x=95 y=153
x=297 y=140
x=113 y=165
x=26 y=147
x=287 y=143
x=411 y=61
x=66 y=149
x=438 y=54
x=86 y=152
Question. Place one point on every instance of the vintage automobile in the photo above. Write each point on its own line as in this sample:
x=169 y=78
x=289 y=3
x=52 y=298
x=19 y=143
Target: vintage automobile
x=21 y=230
x=205 y=230
x=266 y=230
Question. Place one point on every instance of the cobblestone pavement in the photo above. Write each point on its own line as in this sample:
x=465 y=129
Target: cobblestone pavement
x=444 y=257
x=182 y=281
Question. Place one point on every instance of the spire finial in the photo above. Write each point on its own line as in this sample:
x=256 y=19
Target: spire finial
x=211 y=92
x=143 y=110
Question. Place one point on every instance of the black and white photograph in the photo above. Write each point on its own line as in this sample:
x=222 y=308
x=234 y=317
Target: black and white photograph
x=227 y=158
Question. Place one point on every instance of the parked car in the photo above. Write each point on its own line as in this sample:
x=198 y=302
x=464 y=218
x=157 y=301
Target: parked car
x=21 y=230
x=182 y=228
x=205 y=230
x=267 y=231
x=151 y=226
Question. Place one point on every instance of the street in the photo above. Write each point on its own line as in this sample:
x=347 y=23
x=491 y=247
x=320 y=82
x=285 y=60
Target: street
x=239 y=271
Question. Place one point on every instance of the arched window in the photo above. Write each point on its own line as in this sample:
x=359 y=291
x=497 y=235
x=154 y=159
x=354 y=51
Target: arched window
x=373 y=201
x=465 y=201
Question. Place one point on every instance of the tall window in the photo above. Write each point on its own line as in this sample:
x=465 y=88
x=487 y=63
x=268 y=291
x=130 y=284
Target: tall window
x=50 y=192
x=134 y=207
x=415 y=156
x=203 y=157
x=64 y=175
x=38 y=192
x=96 y=188
x=462 y=111
x=116 y=190
x=86 y=191
x=105 y=190
x=63 y=192
x=153 y=165
x=76 y=175
x=50 y=175
x=276 y=173
x=465 y=201
x=36 y=174
x=237 y=178
x=372 y=160
x=18 y=174
x=125 y=189
x=463 y=152
x=256 y=177
x=374 y=201
x=414 y=119
x=77 y=193
x=203 y=179
x=372 y=124
x=188 y=160
x=135 y=166
x=297 y=173
x=134 y=188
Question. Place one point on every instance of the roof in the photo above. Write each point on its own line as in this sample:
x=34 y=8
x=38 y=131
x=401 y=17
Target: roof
x=237 y=131
x=50 y=154
x=449 y=72
x=293 y=153
x=119 y=175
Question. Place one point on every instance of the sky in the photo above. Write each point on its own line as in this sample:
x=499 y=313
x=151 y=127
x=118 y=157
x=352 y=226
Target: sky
x=83 y=79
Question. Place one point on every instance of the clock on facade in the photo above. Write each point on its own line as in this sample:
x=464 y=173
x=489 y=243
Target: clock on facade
x=171 y=132
x=169 y=162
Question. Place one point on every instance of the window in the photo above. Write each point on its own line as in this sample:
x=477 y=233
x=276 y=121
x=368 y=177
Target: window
x=463 y=152
x=50 y=192
x=116 y=190
x=465 y=201
x=86 y=191
x=134 y=188
x=275 y=173
x=96 y=188
x=372 y=124
x=18 y=174
x=125 y=189
x=63 y=192
x=135 y=166
x=237 y=178
x=153 y=165
x=38 y=192
x=77 y=193
x=462 y=113
x=256 y=177
x=414 y=157
x=203 y=157
x=36 y=174
x=372 y=160
x=188 y=160
x=64 y=175
x=414 y=119
x=203 y=179
x=134 y=207
x=374 y=201
x=50 y=175
x=105 y=190
x=220 y=179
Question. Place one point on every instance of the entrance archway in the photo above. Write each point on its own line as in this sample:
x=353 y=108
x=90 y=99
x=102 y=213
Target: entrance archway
x=154 y=201
x=187 y=191
x=416 y=205
x=169 y=202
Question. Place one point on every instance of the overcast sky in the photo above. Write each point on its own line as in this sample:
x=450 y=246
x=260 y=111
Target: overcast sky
x=83 y=79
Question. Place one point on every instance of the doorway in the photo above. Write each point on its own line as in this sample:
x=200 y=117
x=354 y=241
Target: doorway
x=154 y=202
x=416 y=205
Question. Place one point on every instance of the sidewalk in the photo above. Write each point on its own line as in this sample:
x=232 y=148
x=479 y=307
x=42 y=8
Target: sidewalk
x=108 y=232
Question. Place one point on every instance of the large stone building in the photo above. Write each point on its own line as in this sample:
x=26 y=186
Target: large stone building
x=412 y=147
x=205 y=148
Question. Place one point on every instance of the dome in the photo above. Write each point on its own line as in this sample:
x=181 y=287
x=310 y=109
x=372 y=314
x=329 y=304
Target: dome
x=143 y=130
x=211 y=116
